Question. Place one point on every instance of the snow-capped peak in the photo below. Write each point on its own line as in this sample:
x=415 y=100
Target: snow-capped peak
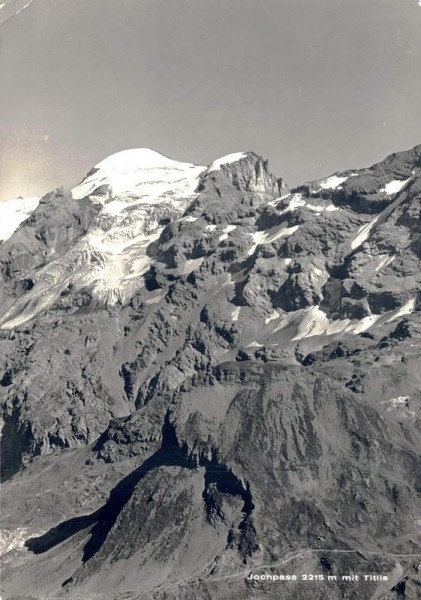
x=136 y=189
x=141 y=173
x=144 y=158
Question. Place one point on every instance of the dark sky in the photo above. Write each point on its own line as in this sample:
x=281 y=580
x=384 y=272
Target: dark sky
x=313 y=85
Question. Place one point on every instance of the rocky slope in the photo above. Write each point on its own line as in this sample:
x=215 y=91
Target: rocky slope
x=206 y=375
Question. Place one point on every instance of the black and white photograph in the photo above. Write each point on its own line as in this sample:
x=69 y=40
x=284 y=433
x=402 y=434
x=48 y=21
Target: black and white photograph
x=210 y=299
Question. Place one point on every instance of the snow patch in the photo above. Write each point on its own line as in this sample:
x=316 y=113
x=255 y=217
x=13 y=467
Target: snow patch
x=13 y=213
x=191 y=265
x=270 y=235
x=318 y=206
x=398 y=402
x=296 y=201
x=316 y=322
x=313 y=321
x=225 y=160
x=385 y=260
x=156 y=297
x=226 y=232
x=274 y=202
x=211 y=227
x=255 y=345
x=406 y=309
x=363 y=233
x=395 y=186
x=331 y=183
x=275 y=315
x=236 y=313
x=318 y=277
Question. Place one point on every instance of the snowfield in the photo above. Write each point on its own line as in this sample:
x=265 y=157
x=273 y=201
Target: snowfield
x=13 y=213
x=226 y=160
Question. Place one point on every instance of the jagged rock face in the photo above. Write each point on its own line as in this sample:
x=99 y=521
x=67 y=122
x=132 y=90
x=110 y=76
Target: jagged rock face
x=233 y=364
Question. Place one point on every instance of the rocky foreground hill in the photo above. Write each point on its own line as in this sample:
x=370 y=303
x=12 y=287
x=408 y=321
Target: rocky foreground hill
x=208 y=375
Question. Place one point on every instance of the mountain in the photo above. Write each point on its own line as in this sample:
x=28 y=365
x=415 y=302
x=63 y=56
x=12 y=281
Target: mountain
x=209 y=377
